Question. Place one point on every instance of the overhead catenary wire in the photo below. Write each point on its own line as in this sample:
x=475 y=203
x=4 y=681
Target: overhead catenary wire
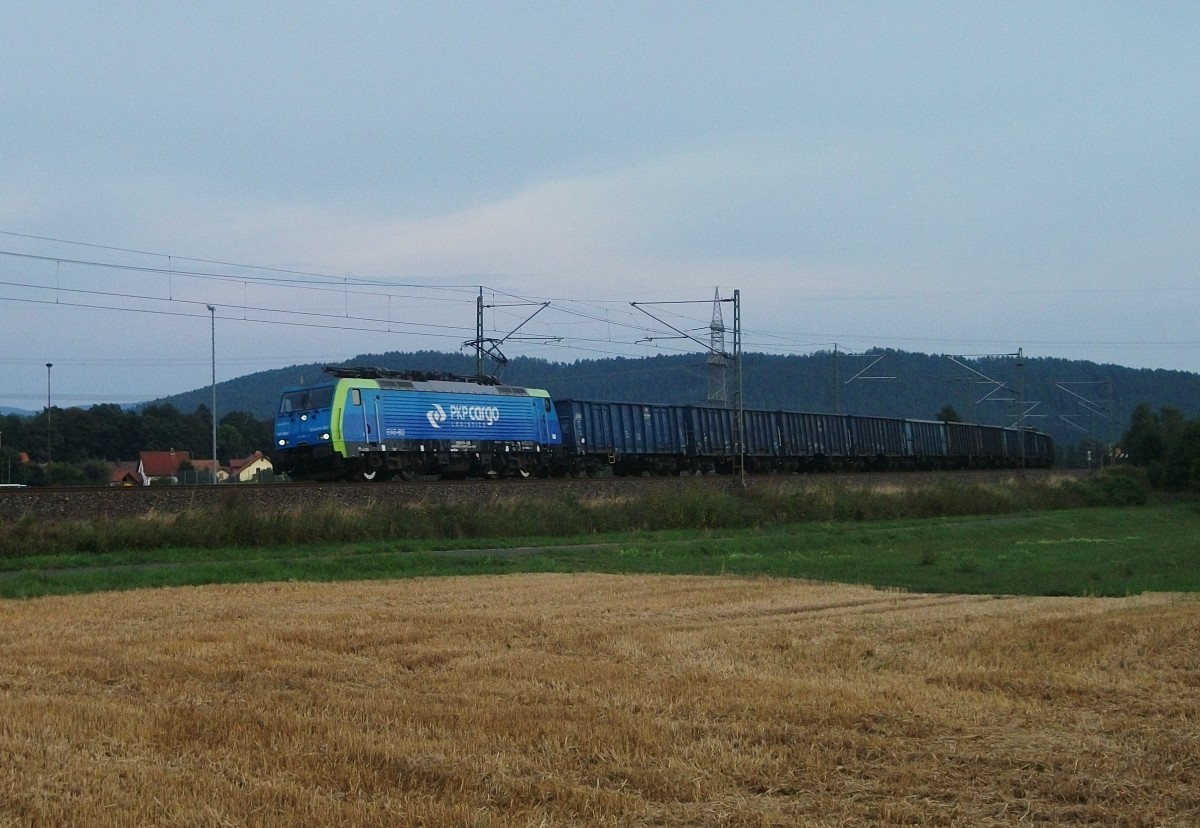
x=395 y=326
x=574 y=325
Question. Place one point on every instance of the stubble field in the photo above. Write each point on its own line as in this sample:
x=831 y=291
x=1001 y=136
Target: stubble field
x=597 y=700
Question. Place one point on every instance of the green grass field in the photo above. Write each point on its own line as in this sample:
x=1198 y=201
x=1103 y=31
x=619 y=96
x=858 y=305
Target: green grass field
x=1101 y=551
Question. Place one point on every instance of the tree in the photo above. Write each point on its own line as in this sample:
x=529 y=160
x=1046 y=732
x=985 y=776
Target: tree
x=230 y=442
x=1167 y=444
x=254 y=434
x=1182 y=464
x=116 y=433
x=163 y=428
x=75 y=437
x=96 y=472
x=199 y=432
x=67 y=474
x=1144 y=442
x=948 y=414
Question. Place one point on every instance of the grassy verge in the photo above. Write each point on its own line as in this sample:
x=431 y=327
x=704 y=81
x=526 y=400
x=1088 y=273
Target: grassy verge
x=1092 y=551
x=234 y=524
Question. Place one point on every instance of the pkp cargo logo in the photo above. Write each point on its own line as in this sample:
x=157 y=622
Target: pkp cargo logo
x=485 y=414
x=436 y=416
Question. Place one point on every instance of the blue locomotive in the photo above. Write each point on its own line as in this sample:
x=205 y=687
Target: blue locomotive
x=368 y=424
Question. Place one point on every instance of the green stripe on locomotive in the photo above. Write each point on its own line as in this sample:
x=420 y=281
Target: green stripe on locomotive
x=341 y=395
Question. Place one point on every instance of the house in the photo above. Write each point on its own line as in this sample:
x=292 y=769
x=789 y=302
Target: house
x=124 y=473
x=203 y=470
x=161 y=464
x=248 y=469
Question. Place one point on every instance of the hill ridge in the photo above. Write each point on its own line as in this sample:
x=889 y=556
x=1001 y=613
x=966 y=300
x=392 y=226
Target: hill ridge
x=1067 y=399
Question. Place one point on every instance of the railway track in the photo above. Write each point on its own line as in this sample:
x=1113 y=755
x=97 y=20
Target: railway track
x=83 y=503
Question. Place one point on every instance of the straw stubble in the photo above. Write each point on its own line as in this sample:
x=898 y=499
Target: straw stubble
x=595 y=699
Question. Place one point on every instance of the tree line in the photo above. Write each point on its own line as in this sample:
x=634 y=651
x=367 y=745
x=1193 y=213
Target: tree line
x=81 y=443
x=1166 y=444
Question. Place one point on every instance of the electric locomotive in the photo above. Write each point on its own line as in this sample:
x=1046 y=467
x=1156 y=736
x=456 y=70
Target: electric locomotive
x=370 y=423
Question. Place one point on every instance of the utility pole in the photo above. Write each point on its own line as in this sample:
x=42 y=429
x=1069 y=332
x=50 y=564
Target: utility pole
x=479 y=334
x=740 y=425
x=1021 y=402
x=212 y=312
x=49 y=459
x=837 y=382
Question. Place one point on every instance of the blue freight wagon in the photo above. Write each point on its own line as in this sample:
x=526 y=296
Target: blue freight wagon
x=813 y=442
x=927 y=443
x=877 y=442
x=631 y=438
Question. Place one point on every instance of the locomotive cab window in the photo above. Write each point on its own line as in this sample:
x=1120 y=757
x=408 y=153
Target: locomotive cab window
x=321 y=397
x=307 y=399
x=356 y=396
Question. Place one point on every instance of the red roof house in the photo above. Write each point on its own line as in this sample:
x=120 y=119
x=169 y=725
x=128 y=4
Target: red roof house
x=246 y=469
x=124 y=473
x=152 y=464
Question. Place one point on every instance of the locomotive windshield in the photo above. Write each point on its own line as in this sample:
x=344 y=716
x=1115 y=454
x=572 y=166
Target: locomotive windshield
x=309 y=398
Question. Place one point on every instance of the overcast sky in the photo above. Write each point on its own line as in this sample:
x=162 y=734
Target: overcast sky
x=340 y=178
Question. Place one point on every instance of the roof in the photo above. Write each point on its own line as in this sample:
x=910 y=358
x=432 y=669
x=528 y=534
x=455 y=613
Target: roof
x=162 y=463
x=236 y=465
x=123 y=470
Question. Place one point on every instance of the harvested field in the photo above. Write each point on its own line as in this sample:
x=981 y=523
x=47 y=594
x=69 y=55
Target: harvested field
x=597 y=700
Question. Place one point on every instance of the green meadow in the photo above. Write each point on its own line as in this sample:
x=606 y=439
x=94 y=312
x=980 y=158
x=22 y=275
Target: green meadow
x=1103 y=537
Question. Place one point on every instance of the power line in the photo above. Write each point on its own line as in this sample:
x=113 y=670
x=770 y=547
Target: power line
x=588 y=311
x=176 y=257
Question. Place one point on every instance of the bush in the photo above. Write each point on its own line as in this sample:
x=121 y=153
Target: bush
x=1116 y=487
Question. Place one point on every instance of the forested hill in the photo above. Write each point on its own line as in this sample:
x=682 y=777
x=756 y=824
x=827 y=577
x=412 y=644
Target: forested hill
x=919 y=385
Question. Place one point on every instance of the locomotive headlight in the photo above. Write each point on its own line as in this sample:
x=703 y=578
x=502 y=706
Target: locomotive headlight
x=282 y=441
x=303 y=417
x=325 y=436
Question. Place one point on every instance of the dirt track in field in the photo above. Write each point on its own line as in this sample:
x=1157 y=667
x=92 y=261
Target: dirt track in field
x=597 y=700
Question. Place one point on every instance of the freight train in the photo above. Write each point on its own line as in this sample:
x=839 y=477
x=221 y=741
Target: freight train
x=374 y=424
